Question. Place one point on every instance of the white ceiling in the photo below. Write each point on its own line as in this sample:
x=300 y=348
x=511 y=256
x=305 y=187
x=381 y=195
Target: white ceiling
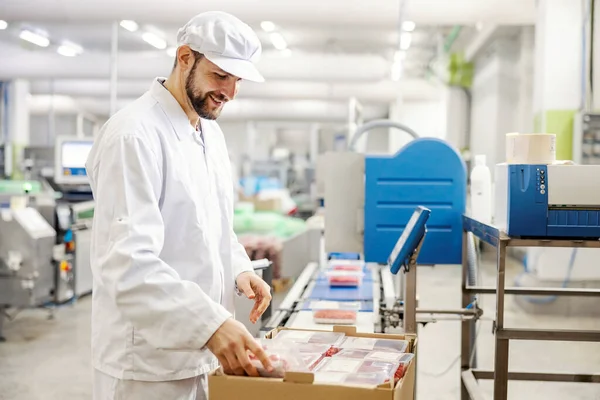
x=340 y=48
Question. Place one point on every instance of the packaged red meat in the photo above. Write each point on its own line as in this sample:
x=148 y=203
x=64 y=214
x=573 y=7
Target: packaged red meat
x=404 y=362
x=344 y=278
x=311 y=360
x=354 y=366
x=398 y=346
x=281 y=361
x=374 y=355
x=310 y=348
x=346 y=265
x=329 y=338
x=339 y=378
x=335 y=312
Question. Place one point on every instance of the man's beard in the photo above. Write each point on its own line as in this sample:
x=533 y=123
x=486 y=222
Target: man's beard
x=200 y=103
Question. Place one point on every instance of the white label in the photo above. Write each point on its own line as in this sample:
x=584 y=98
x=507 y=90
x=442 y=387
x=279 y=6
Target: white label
x=343 y=365
x=359 y=343
x=379 y=355
x=297 y=335
x=325 y=305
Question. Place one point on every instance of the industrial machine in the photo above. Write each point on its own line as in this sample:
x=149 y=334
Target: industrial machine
x=369 y=204
x=33 y=269
x=555 y=201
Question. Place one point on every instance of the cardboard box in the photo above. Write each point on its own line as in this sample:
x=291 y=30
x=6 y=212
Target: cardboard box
x=300 y=386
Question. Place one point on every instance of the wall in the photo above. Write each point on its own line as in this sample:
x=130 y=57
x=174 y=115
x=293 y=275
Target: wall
x=43 y=128
x=501 y=96
x=426 y=118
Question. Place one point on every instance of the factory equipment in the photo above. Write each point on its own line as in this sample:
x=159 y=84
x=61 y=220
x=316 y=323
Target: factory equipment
x=548 y=200
x=33 y=270
x=369 y=204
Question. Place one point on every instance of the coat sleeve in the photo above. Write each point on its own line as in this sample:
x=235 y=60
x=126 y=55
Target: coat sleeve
x=177 y=313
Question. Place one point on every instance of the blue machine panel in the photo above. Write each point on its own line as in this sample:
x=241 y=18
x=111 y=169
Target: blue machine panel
x=527 y=201
x=426 y=172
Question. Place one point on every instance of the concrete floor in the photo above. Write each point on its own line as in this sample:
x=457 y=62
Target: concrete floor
x=50 y=359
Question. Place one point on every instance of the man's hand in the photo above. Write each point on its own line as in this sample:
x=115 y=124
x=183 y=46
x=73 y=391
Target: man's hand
x=255 y=289
x=230 y=344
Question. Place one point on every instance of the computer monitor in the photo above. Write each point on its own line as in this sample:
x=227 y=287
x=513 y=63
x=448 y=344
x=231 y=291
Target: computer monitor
x=70 y=156
x=409 y=240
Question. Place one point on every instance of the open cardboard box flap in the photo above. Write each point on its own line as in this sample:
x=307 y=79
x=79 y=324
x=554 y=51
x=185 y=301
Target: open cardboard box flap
x=301 y=386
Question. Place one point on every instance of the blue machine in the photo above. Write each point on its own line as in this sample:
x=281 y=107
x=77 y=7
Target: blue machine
x=426 y=172
x=406 y=245
x=560 y=201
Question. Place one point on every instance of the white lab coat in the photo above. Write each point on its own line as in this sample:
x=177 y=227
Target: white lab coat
x=163 y=254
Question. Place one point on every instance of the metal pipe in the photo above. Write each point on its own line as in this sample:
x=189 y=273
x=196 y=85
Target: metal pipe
x=114 y=57
x=540 y=376
x=534 y=291
x=552 y=335
x=379 y=123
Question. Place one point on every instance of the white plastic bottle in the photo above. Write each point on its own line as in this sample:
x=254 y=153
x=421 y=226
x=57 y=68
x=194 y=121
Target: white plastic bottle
x=481 y=191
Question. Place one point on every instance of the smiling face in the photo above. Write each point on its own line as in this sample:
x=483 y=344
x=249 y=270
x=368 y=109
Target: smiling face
x=208 y=88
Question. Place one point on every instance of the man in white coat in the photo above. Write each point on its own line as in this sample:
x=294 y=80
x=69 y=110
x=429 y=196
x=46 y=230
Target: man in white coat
x=165 y=260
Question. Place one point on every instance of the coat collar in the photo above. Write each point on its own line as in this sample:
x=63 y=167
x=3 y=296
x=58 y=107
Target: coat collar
x=178 y=118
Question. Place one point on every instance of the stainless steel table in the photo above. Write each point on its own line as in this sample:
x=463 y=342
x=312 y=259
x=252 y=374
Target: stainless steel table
x=500 y=374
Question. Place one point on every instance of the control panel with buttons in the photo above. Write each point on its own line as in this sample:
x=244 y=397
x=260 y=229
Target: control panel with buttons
x=541 y=184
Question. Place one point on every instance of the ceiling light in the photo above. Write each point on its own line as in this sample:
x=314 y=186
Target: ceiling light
x=69 y=49
x=286 y=52
x=278 y=41
x=130 y=25
x=154 y=40
x=409 y=26
x=3 y=24
x=405 y=40
x=34 y=38
x=267 y=26
x=172 y=51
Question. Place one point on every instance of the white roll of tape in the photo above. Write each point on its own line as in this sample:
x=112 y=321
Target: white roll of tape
x=530 y=148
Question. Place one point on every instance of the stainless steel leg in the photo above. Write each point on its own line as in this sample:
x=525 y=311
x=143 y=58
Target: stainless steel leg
x=410 y=301
x=2 y=317
x=501 y=360
x=465 y=329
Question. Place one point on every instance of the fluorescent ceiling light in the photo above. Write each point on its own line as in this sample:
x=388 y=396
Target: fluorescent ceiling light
x=130 y=25
x=405 y=40
x=34 y=38
x=69 y=49
x=172 y=51
x=3 y=24
x=409 y=26
x=278 y=41
x=154 y=40
x=267 y=26
x=286 y=52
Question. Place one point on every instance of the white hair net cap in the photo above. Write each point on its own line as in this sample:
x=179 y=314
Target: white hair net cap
x=225 y=41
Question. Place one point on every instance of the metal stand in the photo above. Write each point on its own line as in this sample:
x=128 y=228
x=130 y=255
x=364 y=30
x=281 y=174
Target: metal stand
x=410 y=291
x=2 y=318
x=500 y=374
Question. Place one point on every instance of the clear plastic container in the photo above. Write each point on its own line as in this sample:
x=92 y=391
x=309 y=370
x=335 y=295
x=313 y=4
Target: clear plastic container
x=335 y=312
x=281 y=361
x=373 y=355
x=354 y=366
x=404 y=362
x=339 y=378
x=328 y=338
x=346 y=265
x=311 y=348
x=358 y=343
x=344 y=278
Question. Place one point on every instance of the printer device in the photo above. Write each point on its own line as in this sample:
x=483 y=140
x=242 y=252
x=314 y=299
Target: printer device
x=547 y=201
